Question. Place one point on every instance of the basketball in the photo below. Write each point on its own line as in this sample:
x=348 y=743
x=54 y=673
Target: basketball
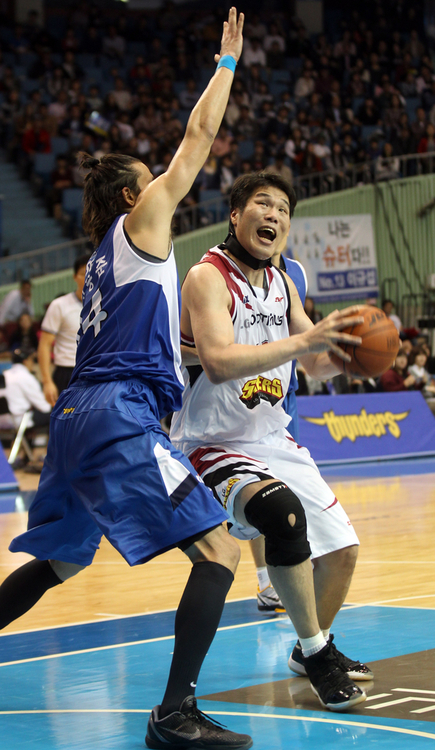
x=379 y=347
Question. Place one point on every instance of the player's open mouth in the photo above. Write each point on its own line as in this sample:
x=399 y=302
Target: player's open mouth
x=266 y=233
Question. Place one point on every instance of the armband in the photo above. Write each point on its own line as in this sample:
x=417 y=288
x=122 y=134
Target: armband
x=227 y=61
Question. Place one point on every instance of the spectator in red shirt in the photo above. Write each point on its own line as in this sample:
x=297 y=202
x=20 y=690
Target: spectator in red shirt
x=397 y=378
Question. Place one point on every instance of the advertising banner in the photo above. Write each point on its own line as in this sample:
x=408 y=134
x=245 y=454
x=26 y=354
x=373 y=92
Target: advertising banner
x=338 y=254
x=366 y=427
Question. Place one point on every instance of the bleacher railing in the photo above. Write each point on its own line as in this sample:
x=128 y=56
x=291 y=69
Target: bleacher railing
x=58 y=257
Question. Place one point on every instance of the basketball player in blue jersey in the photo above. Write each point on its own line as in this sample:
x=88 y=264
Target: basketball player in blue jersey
x=110 y=468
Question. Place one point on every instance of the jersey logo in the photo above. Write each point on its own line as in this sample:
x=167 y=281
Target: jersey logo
x=226 y=492
x=96 y=314
x=261 y=388
x=279 y=299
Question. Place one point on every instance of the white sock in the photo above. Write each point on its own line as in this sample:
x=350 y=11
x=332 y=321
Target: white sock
x=326 y=633
x=263 y=578
x=312 y=645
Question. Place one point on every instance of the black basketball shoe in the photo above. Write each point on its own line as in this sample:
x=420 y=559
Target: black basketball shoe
x=356 y=670
x=190 y=728
x=333 y=687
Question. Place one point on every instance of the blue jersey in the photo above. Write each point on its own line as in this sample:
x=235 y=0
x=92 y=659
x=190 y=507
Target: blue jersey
x=130 y=322
x=297 y=274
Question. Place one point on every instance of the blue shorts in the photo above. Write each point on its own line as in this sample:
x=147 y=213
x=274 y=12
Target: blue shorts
x=110 y=469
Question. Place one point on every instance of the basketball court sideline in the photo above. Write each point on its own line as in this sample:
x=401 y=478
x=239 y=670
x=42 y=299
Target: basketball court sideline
x=86 y=665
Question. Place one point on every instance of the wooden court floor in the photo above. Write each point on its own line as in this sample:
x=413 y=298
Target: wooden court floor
x=83 y=668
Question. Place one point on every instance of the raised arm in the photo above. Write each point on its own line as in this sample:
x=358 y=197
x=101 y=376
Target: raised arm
x=206 y=317
x=152 y=214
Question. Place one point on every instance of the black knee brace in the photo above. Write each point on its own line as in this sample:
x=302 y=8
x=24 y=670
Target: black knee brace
x=268 y=511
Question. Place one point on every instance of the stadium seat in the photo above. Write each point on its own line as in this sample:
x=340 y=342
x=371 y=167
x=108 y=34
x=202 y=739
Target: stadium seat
x=59 y=145
x=246 y=149
x=72 y=209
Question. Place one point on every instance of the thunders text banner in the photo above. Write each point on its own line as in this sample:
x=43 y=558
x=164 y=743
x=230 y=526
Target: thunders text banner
x=366 y=427
x=338 y=254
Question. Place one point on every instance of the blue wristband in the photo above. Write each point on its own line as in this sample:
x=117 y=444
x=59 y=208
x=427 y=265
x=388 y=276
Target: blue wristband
x=227 y=61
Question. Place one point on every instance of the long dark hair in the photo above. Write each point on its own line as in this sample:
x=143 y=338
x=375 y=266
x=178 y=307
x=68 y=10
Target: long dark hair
x=102 y=198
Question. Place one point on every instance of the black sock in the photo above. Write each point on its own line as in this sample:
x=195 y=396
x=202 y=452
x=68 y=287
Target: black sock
x=196 y=622
x=23 y=588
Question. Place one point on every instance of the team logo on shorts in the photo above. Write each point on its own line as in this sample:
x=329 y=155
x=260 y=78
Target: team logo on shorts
x=261 y=388
x=226 y=494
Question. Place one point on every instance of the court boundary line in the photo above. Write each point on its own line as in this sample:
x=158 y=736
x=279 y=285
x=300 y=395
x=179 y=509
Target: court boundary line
x=312 y=719
x=111 y=618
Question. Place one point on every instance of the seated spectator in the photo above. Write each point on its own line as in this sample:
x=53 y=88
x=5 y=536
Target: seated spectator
x=227 y=174
x=417 y=367
x=24 y=336
x=294 y=146
x=388 y=307
x=91 y=42
x=245 y=127
x=253 y=53
x=397 y=377
x=59 y=107
x=143 y=143
x=113 y=44
x=190 y=95
x=222 y=143
x=9 y=109
x=387 y=166
x=278 y=166
x=23 y=391
x=337 y=163
x=408 y=87
x=274 y=36
x=17 y=302
x=34 y=140
x=73 y=126
x=61 y=178
x=427 y=146
x=93 y=99
x=404 y=142
x=393 y=112
x=71 y=69
x=419 y=125
x=305 y=85
x=310 y=309
x=275 y=57
x=121 y=95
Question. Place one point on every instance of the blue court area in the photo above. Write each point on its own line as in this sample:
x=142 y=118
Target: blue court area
x=93 y=685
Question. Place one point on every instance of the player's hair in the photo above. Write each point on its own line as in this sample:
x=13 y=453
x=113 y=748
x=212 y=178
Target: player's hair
x=247 y=184
x=81 y=261
x=102 y=197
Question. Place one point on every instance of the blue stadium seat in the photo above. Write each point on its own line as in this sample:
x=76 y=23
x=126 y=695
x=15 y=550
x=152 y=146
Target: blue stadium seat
x=412 y=104
x=216 y=211
x=43 y=166
x=59 y=145
x=246 y=149
x=72 y=208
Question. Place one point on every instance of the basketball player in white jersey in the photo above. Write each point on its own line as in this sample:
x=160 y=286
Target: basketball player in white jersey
x=246 y=320
x=110 y=468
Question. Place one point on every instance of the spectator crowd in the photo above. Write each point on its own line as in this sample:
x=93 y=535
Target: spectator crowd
x=326 y=111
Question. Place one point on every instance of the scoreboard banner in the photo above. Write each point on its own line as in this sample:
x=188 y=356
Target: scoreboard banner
x=338 y=254
x=366 y=427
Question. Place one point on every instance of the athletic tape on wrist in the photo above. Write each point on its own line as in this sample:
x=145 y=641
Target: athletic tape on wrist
x=227 y=61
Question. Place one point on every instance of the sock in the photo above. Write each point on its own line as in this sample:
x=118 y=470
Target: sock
x=263 y=578
x=23 y=588
x=326 y=633
x=311 y=646
x=196 y=622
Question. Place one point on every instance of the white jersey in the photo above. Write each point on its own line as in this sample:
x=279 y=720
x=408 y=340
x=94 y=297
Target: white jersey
x=62 y=319
x=248 y=408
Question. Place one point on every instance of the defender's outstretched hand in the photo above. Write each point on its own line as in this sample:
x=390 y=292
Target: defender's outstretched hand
x=232 y=39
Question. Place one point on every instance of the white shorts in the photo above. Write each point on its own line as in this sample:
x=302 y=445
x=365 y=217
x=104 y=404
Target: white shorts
x=226 y=469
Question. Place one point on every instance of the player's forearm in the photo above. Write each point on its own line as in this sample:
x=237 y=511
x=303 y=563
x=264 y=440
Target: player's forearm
x=44 y=361
x=209 y=111
x=243 y=360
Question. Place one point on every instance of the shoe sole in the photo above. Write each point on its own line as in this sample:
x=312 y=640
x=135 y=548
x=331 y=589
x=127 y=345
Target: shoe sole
x=341 y=707
x=271 y=610
x=156 y=745
x=295 y=666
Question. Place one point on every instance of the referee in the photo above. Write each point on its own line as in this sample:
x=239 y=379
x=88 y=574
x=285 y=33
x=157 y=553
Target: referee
x=60 y=325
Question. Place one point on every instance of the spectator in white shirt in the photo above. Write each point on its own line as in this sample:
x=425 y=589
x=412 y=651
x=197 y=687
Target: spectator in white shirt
x=23 y=391
x=254 y=53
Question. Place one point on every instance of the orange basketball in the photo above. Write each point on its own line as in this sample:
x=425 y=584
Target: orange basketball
x=380 y=344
